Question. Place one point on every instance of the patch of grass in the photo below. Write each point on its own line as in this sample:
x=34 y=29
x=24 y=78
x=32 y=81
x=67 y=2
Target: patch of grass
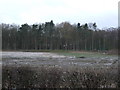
x=84 y=54
x=74 y=53
x=46 y=50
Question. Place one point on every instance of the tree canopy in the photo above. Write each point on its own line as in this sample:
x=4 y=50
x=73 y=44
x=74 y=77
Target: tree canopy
x=61 y=36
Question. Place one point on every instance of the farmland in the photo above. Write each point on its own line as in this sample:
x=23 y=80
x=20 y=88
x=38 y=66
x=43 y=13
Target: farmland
x=60 y=58
x=63 y=65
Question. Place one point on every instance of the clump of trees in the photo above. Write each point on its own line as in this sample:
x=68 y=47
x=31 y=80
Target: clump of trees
x=61 y=36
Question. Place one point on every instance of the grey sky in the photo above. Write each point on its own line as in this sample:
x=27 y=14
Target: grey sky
x=103 y=12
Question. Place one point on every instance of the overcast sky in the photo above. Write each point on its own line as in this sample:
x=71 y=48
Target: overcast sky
x=103 y=12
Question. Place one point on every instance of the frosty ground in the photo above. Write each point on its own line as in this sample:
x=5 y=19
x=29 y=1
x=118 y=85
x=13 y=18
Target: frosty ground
x=36 y=59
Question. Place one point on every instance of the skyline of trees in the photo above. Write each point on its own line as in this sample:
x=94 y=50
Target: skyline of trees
x=63 y=36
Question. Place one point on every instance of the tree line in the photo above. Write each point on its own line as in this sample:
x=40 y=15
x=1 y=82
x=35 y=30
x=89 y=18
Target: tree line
x=63 y=36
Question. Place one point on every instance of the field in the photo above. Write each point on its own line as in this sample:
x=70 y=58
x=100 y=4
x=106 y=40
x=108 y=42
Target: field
x=59 y=69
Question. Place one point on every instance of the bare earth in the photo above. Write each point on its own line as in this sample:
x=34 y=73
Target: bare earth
x=44 y=58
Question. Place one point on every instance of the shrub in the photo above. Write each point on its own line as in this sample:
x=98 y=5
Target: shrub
x=54 y=77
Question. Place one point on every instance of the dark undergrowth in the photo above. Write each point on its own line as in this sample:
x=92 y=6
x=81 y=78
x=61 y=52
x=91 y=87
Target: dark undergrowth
x=54 y=77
